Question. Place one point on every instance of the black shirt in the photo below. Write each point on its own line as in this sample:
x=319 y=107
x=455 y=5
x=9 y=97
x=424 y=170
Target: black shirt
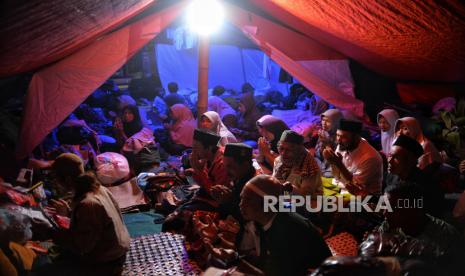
x=232 y=208
x=433 y=196
x=291 y=246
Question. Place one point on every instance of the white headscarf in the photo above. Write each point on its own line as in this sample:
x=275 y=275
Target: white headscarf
x=219 y=128
x=388 y=137
x=334 y=116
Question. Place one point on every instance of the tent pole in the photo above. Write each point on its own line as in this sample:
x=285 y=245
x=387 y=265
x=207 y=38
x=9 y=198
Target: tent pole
x=202 y=101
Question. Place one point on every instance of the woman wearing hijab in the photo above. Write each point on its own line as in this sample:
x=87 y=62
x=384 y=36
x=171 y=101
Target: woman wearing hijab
x=97 y=239
x=249 y=114
x=270 y=129
x=327 y=138
x=386 y=122
x=210 y=120
x=410 y=126
x=226 y=112
x=182 y=129
x=130 y=125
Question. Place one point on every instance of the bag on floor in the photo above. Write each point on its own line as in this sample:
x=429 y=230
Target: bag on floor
x=111 y=167
x=129 y=196
x=138 y=141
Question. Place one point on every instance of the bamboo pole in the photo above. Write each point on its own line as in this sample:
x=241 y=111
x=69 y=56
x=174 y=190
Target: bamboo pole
x=202 y=101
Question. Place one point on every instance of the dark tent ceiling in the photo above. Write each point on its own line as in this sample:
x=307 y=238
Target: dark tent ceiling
x=412 y=40
x=35 y=32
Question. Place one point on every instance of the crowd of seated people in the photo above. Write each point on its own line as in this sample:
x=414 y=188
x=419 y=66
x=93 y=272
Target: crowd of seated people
x=239 y=156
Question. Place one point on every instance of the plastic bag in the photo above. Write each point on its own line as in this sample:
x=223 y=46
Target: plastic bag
x=111 y=167
x=388 y=244
x=138 y=141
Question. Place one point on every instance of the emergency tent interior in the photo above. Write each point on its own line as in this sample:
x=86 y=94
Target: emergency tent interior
x=233 y=60
x=72 y=47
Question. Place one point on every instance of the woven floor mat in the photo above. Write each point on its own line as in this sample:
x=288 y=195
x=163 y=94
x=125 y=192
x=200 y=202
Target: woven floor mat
x=159 y=254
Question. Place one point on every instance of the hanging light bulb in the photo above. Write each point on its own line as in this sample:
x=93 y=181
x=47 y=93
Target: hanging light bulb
x=205 y=16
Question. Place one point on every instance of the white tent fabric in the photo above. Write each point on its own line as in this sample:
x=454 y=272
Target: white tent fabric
x=262 y=72
x=181 y=66
x=334 y=72
x=230 y=66
x=294 y=56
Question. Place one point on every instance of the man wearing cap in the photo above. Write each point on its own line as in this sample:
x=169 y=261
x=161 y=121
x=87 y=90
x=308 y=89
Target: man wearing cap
x=289 y=243
x=297 y=166
x=238 y=163
x=207 y=160
x=402 y=168
x=357 y=167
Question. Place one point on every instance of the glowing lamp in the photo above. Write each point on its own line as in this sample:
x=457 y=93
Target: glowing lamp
x=205 y=16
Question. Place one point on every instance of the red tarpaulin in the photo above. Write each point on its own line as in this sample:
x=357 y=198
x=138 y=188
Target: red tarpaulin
x=413 y=40
x=295 y=53
x=426 y=93
x=36 y=32
x=57 y=90
x=406 y=40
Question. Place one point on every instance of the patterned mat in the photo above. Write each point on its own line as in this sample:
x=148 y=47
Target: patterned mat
x=159 y=254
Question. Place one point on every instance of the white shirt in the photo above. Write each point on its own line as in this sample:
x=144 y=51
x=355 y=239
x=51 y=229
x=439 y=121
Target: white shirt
x=366 y=166
x=250 y=242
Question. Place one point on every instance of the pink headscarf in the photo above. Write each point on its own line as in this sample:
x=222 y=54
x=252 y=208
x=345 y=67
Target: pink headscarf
x=413 y=126
x=182 y=131
x=431 y=154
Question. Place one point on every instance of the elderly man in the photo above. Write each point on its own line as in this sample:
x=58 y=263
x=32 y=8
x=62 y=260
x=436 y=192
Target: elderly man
x=357 y=167
x=289 y=244
x=297 y=166
x=402 y=167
